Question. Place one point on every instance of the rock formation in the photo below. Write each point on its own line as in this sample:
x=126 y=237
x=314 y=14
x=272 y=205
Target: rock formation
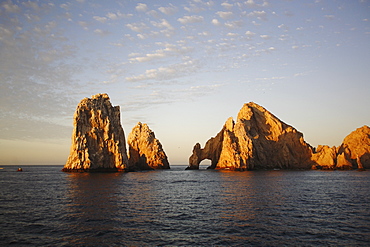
x=325 y=157
x=357 y=146
x=258 y=140
x=353 y=153
x=98 y=140
x=145 y=151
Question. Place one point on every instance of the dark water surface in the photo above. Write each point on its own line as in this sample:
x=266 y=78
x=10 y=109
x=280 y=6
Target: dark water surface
x=43 y=206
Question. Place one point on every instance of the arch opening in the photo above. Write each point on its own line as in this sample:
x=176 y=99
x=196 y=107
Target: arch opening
x=204 y=164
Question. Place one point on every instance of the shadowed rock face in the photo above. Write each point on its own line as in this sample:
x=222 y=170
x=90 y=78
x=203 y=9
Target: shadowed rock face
x=98 y=140
x=145 y=151
x=258 y=140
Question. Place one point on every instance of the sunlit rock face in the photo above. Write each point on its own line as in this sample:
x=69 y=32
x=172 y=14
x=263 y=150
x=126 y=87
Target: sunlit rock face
x=355 y=149
x=98 y=140
x=353 y=153
x=258 y=140
x=325 y=157
x=145 y=151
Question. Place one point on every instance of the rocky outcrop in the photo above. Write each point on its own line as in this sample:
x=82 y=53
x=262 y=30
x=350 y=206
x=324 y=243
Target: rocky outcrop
x=356 y=146
x=145 y=151
x=325 y=157
x=98 y=140
x=353 y=153
x=258 y=140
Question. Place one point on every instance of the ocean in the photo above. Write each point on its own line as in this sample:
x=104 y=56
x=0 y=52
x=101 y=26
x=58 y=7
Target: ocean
x=42 y=206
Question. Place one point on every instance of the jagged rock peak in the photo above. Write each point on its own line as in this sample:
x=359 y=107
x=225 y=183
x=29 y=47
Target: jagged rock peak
x=98 y=140
x=258 y=140
x=145 y=151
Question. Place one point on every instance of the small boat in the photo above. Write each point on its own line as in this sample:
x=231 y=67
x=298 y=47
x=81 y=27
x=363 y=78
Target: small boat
x=19 y=169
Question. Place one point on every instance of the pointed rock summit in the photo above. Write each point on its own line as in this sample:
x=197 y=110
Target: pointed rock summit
x=145 y=151
x=98 y=140
x=258 y=140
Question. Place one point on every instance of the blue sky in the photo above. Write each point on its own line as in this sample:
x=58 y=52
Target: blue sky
x=182 y=67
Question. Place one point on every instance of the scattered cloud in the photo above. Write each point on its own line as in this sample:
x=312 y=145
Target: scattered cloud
x=137 y=27
x=84 y=24
x=227 y=5
x=166 y=73
x=100 y=19
x=10 y=7
x=264 y=36
x=170 y=10
x=234 y=24
x=225 y=14
x=216 y=22
x=190 y=19
x=330 y=17
x=118 y=15
x=258 y=14
x=162 y=24
x=101 y=32
x=249 y=34
x=141 y=7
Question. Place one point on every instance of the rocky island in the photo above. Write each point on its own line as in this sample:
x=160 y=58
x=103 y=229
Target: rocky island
x=145 y=151
x=353 y=153
x=256 y=140
x=99 y=145
x=259 y=140
x=98 y=140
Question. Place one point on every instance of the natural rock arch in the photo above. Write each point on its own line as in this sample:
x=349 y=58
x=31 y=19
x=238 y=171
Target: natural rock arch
x=258 y=140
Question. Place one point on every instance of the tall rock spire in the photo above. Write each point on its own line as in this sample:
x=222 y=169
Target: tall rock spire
x=98 y=140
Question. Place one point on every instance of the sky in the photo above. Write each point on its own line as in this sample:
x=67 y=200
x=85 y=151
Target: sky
x=182 y=67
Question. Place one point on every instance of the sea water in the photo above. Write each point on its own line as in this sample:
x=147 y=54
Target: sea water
x=42 y=206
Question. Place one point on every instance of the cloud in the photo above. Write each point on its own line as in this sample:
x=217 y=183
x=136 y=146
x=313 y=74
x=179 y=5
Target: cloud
x=232 y=34
x=264 y=36
x=249 y=34
x=153 y=13
x=84 y=24
x=162 y=24
x=216 y=22
x=101 y=32
x=198 y=6
x=224 y=14
x=167 y=73
x=141 y=7
x=168 y=10
x=137 y=27
x=32 y=5
x=169 y=50
x=64 y=6
x=234 y=24
x=149 y=57
x=190 y=19
x=9 y=7
x=227 y=5
x=330 y=17
x=100 y=19
x=250 y=3
x=118 y=15
x=258 y=14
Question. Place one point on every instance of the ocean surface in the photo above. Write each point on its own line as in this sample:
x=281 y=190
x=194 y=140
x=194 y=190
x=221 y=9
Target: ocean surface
x=43 y=206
